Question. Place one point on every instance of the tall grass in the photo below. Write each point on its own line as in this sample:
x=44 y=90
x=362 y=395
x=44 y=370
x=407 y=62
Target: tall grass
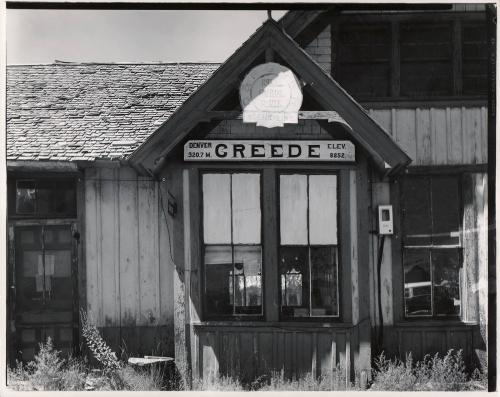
x=433 y=373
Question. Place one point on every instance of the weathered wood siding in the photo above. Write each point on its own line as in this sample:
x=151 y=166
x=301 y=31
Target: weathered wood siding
x=250 y=351
x=128 y=266
x=438 y=136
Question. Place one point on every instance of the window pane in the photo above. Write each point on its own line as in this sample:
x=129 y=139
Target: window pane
x=218 y=279
x=293 y=209
x=323 y=209
x=425 y=59
x=216 y=209
x=417 y=223
x=417 y=282
x=475 y=59
x=248 y=279
x=446 y=266
x=445 y=211
x=294 y=275
x=324 y=281
x=246 y=208
x=25 y=197
x=364 y=51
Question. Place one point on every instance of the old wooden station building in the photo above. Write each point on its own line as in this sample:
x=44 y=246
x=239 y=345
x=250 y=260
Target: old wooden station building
x=319 y=197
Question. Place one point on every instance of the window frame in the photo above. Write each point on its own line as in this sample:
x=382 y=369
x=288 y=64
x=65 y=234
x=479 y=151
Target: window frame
x=457 y=20
x=429 y=248
x=340 y=315
x=235 y=317
x=14 y=179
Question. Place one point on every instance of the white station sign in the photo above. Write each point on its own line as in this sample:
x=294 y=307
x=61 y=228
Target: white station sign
x=270 y=96
x=217 y=150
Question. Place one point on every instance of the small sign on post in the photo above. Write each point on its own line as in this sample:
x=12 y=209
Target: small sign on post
x=246 y=150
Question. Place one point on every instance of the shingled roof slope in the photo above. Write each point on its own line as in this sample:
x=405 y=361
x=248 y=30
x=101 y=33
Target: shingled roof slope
x=93 y=111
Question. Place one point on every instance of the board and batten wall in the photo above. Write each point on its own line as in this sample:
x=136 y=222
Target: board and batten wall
x=128 y=264
x=438 y=135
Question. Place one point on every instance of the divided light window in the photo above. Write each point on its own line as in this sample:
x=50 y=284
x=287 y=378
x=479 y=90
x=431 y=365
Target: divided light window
x=232 y=244
x=308 y=254
x=43 y=197
x=394 y=57
x=432 y=251
x=426 y=67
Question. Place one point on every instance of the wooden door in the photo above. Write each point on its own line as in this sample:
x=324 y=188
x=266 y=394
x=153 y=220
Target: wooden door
x=44 y=277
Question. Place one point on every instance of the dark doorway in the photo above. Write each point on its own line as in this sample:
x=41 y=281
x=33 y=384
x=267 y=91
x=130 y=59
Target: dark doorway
x=43 y=290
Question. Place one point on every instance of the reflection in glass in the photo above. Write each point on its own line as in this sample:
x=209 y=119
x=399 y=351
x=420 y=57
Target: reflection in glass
x=417 y=282
x=25 y=197
x=247 y=279
x=446 y=266
x=324 y=300
x=218 y=269
x=294 y=281
x=233 y=289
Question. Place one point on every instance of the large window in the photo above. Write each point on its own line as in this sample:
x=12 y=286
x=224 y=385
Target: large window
x=431 y=246
x=379 y=57
x=232 y=244
x=308 y=254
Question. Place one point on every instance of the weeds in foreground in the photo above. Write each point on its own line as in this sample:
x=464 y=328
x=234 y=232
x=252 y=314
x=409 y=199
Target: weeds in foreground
x=49 y=371
x=433 y=373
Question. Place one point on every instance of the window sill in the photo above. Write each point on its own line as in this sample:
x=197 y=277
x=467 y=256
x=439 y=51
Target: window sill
x=273 y=324
x=433 y=322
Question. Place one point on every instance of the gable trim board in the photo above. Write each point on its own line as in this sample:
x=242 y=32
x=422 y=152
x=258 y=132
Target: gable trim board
x=387 y=155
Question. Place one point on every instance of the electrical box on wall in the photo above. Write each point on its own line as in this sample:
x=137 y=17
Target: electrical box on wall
x=385 y=222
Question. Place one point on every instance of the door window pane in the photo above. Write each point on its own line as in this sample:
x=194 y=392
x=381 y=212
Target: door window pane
x=323 y=209
x=417 y=282
x=293 y=209
x=246 y=208
x=324 y=281
x=446 y=266
x=216 y=209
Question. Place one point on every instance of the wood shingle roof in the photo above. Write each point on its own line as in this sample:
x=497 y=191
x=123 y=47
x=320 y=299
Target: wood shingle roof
x=92 y=111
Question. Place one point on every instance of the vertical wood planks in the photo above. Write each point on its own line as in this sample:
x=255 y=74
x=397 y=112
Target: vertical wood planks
x=110 y=247
x=381 y=195
x=454 y=136
x=438 y=136
x=406 y=132
x=129 y=253
x=92 y=253
x=126 y=249
x=423 y=136
x=148 y=258
x=353 y=209
x=166 y=265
